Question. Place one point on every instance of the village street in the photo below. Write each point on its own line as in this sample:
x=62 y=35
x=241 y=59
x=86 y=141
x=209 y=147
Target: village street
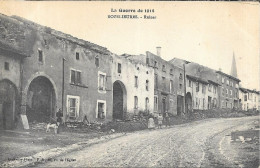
x=204 y=143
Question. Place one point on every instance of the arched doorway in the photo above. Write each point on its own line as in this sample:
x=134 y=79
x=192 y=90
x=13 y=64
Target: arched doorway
x=119 y=100
x=8 y=104
x=40 y=100
x=188 y=103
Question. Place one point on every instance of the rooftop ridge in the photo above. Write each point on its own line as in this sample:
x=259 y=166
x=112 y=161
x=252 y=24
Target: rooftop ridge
x=58 y=33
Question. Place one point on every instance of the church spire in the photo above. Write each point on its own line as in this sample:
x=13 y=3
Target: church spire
x=233 y=67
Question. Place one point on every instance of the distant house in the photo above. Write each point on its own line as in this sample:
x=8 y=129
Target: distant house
x=229 y=91
x=249 y=99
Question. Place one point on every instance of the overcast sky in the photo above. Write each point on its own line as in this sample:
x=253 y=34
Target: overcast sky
x=204 y=32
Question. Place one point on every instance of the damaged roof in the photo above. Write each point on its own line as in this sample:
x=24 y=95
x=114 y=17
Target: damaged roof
x=197 y=79
x=11 y=49
x=62 y=35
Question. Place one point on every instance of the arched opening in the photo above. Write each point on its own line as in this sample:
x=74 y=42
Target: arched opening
x=119 y=100
x=40 y=100
x=188 y=103
x=8 y=104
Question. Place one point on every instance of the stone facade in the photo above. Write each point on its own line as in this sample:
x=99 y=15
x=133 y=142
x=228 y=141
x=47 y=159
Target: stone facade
x=229 y=93
x=136 y=81
x=168 y=85
x=10 y=84
x=60 y=72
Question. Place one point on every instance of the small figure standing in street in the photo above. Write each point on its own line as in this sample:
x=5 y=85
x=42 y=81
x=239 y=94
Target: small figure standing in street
x=160 y=119
x=167 y=119
x=59 y=116
x=151 y=124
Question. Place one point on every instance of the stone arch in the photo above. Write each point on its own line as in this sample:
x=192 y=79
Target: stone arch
x=9 y=104
x=41 y=98
x=119 y=100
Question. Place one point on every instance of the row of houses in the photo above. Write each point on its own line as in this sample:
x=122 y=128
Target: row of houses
x=43 y=70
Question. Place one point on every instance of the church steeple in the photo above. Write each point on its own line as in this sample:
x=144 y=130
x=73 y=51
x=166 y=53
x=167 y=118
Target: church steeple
x=233 y=67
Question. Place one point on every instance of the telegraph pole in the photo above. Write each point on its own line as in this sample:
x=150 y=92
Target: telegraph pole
x=62 y=94
x=184 y=88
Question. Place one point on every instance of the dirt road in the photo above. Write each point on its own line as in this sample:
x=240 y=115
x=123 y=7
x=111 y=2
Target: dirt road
x=197 y=144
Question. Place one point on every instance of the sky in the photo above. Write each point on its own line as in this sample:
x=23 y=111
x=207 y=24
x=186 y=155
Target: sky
x=208 y=33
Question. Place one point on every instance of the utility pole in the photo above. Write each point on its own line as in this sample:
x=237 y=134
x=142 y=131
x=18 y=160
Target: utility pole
x=184 y=88
x=62 y=94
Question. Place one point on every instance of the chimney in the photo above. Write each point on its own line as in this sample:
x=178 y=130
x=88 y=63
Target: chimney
x=159 y=51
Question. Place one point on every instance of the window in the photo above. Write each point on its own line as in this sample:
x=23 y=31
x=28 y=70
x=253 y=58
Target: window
x=180 y=77
x=77 y=56
x=163 y=68
x=226 y=91
x=228 y=82
x=136 y=102
x=147 y=85
x=223 y=91
x=203 y=103
x=231 y=84
x=155 y=103
x=203 y=88
x=7 y=66
x=40 y=55
x=223 y=80
x=190 y=83
x=73 y=106
x=245 y=97
x=171 y=86
x=101 y=81
x=136 y=81
x=155 y=64
x=156 y=81
x=230 y=92
x=249 y=96
x=214 y=89
x=119 y=68
x=75 y=76
x=163 y=82
x=180 y=86
x=171 y=71
x=197 y=87
x=210 y=86
x=101 y=109
x=97 y=61
x=146 y=104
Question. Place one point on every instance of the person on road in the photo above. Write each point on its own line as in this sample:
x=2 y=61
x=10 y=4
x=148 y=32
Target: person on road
x=160 y=119
x=151 y=124
x=167 y=119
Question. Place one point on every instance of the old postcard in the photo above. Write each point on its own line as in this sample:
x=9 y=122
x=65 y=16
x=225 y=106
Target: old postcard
x=129 y=84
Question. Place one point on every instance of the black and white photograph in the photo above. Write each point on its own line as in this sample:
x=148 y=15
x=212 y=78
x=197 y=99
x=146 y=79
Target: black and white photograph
x=129 y=84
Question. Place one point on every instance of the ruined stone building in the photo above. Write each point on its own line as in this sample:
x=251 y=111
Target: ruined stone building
x=168 y=83
x=51 y=70
x=201 y=86
x=11 y=58
x=133 y=91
